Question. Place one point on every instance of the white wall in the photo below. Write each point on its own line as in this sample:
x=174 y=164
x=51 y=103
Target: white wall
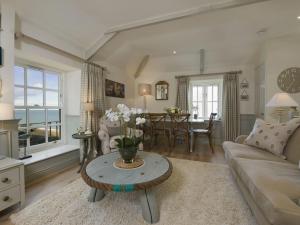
x=7 y=43
x=157 y=69
x=72 y=82
x=119 y=75
x=281 y=53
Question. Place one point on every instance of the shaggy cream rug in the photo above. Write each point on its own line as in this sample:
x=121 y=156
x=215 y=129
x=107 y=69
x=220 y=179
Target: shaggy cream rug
x=195 y=194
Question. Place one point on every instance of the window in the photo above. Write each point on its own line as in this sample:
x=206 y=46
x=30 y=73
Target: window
x=205 y=98
x=38 y=105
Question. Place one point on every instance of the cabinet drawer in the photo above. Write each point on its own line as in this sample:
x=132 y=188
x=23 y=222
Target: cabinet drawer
x=9 y=197
x=9 y=178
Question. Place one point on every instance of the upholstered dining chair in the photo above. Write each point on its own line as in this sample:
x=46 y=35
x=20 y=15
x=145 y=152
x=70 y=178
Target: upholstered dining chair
x=181 y=128
x=207 y=132
x=158 y=127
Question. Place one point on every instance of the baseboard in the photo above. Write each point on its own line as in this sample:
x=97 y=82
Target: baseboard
x=44 y=168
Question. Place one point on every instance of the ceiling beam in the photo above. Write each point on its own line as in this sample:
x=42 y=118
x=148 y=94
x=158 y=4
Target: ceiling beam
x=141 y=66
x=182 y=14
x=93 y=50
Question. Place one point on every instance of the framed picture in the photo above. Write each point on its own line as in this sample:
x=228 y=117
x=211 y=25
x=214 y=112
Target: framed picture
x=161 y=90
x=244 y=84
x=114 y=89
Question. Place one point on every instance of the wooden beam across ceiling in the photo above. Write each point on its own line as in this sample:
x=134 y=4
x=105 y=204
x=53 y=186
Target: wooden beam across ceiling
x=207 y=8
x=141 y=66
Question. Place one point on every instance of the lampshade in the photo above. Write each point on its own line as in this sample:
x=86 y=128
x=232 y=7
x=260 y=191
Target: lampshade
x=144 y=89
x=282 y=100
x=88 y=106
x=6 y=111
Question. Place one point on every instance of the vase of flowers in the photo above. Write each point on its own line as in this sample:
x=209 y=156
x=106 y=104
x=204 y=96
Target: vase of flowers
x=128 y=119
x=173 y=110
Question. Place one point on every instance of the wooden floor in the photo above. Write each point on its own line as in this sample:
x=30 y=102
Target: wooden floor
x=58 y=181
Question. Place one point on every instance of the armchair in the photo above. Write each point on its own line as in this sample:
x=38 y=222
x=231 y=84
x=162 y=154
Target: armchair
x=109 y=132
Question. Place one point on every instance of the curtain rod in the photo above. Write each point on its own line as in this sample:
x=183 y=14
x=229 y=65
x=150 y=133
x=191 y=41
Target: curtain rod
x=94 y=64
x=206 y=74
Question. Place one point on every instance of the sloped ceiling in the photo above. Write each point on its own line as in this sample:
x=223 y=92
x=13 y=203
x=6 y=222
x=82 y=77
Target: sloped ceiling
x=231 y=36
x=83 y=23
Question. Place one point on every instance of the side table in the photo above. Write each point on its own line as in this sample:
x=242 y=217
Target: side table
x=86 y=138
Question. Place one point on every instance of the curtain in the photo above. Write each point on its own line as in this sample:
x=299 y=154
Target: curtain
x=92 y=91
x=231 y=106
x=182 y=101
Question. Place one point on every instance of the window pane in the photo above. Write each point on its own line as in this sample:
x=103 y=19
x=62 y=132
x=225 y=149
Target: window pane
x=200 y=109
x=34 y=97
x=22 y=137
x=19 y=96
x=215 y=93
x=54 y=116
x=215 y=107
x=19 y=75
x=200 y=93
x=37 y=136
x=209 y=108
x=194 y=93
x=36 y=116
x=209 y=93
x=54 y=133
x=52 y=81
x=21 y=114
x=51 y=98
x=34 y=78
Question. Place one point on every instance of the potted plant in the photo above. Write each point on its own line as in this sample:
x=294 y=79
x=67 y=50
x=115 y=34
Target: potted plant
x=128 y=119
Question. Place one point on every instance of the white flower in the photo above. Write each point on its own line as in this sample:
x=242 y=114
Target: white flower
x=123 y=108
x=136 y=111
x=139 y=120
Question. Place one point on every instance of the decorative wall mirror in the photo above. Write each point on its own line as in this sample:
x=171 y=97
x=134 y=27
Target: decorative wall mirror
x=161 y=90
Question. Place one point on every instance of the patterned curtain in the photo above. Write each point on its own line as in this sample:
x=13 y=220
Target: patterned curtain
x=231 y=106
x=92 y=91
x=182 y=101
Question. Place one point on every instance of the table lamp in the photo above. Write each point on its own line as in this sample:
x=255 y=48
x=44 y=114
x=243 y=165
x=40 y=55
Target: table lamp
x=281 y=101
x=144 y=90
x=89 y=108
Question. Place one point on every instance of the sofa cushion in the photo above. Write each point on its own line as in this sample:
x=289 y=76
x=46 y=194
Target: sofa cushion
x=233 y=150
x=272 y=137
x=274 y=186
x=292 y=149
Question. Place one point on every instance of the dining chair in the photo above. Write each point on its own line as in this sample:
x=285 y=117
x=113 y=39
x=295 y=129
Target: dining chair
x=207 y=132
x=181 y=128
x=158 y=127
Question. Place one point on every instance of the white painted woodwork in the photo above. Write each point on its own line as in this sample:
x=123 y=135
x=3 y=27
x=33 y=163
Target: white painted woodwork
x=141 y=66
x=12 y=183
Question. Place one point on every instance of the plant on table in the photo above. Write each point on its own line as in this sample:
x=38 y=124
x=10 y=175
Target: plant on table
x=128 y=118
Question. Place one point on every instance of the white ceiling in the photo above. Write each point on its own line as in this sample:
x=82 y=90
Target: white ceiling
x=228 y=36
x=83 y=22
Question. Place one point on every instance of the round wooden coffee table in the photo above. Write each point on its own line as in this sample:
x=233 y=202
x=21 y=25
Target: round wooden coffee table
x=103 y=175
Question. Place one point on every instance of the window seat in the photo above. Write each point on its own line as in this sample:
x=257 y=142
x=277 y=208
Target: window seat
x=50 y=153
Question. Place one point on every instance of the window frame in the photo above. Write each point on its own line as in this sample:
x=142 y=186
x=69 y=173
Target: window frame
x=44 y=70
x=205 y=83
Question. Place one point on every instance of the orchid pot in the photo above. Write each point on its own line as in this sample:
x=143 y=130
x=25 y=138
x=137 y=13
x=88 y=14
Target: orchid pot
x=128 y=119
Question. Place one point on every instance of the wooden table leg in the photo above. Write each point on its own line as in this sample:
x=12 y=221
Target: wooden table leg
x=84 y=156
x=149 y=206
x=96 y=195
x=192 y=141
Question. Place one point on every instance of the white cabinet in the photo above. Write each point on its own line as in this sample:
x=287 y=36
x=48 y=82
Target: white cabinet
x=12 y=185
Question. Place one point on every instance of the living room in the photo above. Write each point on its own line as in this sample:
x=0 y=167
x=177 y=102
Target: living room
x=138 y=112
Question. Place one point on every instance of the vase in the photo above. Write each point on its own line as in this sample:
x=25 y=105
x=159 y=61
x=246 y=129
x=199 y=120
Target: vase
x=128 y=154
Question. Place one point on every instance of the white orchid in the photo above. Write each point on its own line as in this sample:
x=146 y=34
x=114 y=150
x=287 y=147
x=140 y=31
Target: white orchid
x=139 y=120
